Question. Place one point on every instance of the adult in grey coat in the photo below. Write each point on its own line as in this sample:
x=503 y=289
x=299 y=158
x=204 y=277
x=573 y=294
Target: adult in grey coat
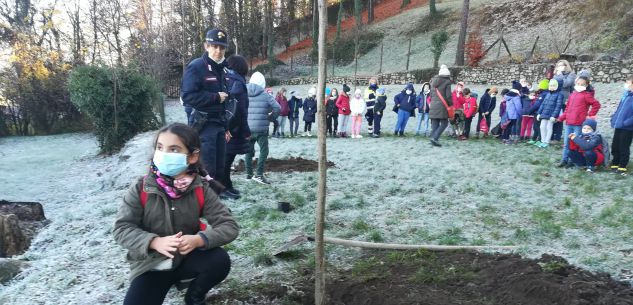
x=437 y=111
x=260 y=105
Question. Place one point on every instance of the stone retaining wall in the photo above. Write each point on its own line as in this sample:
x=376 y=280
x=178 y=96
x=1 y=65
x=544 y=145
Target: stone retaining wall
x=602 y=72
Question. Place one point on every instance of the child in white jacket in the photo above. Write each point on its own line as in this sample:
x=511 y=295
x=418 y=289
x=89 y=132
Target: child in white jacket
x=357 y=107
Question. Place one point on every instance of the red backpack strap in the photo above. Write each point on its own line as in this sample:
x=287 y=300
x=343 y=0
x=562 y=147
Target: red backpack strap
x=200 y=196
x=143 y=194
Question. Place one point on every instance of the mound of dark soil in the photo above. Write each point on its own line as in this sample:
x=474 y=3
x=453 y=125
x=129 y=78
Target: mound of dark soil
x=287 y=165
x=443 y=278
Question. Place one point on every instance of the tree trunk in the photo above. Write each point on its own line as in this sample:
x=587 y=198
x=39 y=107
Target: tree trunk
x=370 y=11
x=319 y=272
x=405 y=3
x=315 y=26
x=358 y=7
x=459 y=57
x=339 y=18
x=432 y=8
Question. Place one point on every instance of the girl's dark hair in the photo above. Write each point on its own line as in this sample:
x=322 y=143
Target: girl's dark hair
x=585 y=79
x=238 y=64
x=331 y=91
x=466 y=91
x=191 y=139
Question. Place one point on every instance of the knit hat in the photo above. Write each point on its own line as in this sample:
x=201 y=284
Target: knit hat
x=381 y=91
x=312 y=91
x=357 y=92
x=327 y=91
x=516 y=85
x=586 y=73
x=591 y=123
x=544 y=84
x=444 y=71
x=258 y=79
x=409 y=86
x=346 y=88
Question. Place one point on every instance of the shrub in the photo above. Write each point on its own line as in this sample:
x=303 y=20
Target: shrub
x=116 y=113
x=438 y=45
x=345 y=48
x=474 y=49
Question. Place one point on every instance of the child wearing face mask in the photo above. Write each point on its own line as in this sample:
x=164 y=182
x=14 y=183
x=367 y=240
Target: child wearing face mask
x=487 y=104
x=357 y=107
x=581 y=104
x=379 y=110
x=405 y=103
x=159 y=224
x=331 y=112
x=622 y=122
x=527 y=119
x=470 y=108
x=309 y=112
x=457 y=124
x=547 y=113
x=422 y=104
x=585 y=149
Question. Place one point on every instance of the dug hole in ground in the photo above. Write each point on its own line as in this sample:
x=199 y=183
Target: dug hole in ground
x=398 y=190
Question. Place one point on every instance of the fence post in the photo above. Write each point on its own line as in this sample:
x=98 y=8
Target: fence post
x=382 y=44
x=291 y=60
x=408 y=54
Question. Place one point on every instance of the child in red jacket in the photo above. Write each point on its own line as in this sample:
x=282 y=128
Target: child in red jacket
x=470 y=109
x=585 y=149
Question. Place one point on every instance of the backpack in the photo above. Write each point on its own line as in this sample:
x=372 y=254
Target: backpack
x=199 y=195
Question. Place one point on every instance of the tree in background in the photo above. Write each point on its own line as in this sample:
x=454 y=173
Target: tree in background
x=370 y=11
x=405 y=3
x=432 y=8
x=339 y=18
x=358 y=8
x=459 y=57
x=315 y=28
x=438 y=45
x=474 y=48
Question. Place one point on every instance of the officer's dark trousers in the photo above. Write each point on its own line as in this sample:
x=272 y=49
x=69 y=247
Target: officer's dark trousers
x=213 y=149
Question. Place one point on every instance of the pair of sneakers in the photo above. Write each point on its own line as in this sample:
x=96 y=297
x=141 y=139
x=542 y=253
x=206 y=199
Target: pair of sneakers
x=622 y=171
x=259 y=179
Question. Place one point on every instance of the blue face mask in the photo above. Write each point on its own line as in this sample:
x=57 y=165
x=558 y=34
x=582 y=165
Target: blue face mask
x=170 y=164
x=373 y=86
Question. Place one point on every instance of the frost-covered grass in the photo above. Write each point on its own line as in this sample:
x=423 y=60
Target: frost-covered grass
x=398 y=190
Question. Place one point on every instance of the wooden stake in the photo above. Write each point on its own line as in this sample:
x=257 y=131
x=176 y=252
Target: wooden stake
x=408 y=54
x=532 y=51
x=506 y=45
x=381 y=48
x=319 y=269
x=567 y=46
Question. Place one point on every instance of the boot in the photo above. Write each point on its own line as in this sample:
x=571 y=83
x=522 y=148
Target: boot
x=195 y=295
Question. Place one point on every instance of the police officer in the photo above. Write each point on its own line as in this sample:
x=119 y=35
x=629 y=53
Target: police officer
x=204 y=90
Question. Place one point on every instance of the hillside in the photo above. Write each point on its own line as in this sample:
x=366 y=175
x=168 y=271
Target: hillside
x=596 y=28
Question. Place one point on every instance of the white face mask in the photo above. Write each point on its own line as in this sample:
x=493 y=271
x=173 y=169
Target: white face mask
x=580 y=88
x=408 y=92
x=627 y=87
x=426 y=91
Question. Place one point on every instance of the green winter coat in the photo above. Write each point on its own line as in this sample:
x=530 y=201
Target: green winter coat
x=136 y=226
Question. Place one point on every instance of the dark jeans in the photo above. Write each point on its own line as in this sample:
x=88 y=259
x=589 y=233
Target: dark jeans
x=188 y=111
x=438 y=126
x=509 y=130
x=467 y=123
x=275 y=127
x=213 y=149
x=307 y=127
x=332 y=124
x=294 y=125
x=226 y=178
x=488 y=121
x=557 y=134
x=621 y=147
x=587 y=158
x=262 y=141
x=536 y=130
x=369 y=115
x=377 y=119
x=207 y=267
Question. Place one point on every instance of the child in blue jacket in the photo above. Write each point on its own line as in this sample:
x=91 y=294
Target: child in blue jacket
x=294 y=103
x=622 y=121
x=585 y=150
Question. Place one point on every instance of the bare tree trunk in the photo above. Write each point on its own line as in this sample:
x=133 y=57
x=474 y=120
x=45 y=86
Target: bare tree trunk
x=319 y=272
x=432 y=8
x=459 y=57
x=370 y=11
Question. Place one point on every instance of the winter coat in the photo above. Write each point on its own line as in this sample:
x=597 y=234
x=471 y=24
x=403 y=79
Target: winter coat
x=240 y=131
x=381 y=104
x=370 y=98
x=588 y=142
x=260 y=104
x=357 y=106
x=437 y=110
x=283 y=103
x=526 y=104
x=513 y=105
x=202 y=81
x=551 y=104
x=309 y=109
x=404 y=101
x=342 y=103
x=623 y=116
x=422 y=102
x=470 y=107
x=136 y=226
x=566 y=82
x=458 y=99
x=330 y=106
x=487 y=103
x=294 y=104
x=578 y=108
x=536 y=105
